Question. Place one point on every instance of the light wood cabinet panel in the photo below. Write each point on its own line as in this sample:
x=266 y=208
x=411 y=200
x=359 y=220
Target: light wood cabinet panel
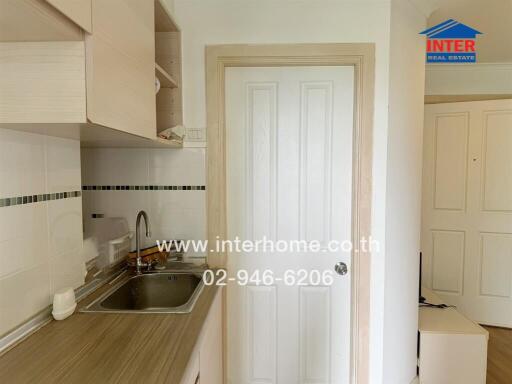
x=210 y=350
x=77 y=10
x=42 y=82
x=206 y=364
x=35 y=20
x=120 y=66
x=192 y=372
x=58 y=80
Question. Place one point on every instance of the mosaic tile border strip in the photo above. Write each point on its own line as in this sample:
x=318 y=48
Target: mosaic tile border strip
x=21 y=200
x=144 y=188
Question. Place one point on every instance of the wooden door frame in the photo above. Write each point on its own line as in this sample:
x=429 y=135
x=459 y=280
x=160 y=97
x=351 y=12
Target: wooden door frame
x=362 y=57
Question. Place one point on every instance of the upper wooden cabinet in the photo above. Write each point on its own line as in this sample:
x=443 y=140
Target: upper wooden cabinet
x=35 y=20
x=79 y=11
x=121 y=66
x=42 y=83
x=52 y=72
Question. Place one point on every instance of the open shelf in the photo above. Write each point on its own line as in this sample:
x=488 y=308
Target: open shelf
x=164 y=21
x=166 y=80
x=169 y=104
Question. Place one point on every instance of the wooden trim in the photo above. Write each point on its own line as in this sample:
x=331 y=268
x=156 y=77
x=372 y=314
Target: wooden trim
x=362 y=58
x=439 y=99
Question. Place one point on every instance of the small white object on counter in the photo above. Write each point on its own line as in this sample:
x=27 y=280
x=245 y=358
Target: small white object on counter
x=64 y=303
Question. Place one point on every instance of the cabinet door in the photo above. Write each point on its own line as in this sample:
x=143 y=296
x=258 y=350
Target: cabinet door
x=120 y=66
x=210 y=352
x=77 y=10
x=42 y=82
x=191 y=375
x=35 y=20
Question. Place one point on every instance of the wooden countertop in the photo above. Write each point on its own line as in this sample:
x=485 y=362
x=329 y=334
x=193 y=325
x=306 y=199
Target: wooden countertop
x=108 y=348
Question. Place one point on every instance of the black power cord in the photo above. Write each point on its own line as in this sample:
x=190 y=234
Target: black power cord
x=439 y=306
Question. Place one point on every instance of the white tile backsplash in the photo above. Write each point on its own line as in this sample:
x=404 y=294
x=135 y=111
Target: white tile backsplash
x=22 y=163
x=40 y=242
x=114 y=166
x=66 y=269
x=62 y=165
x=184 y=167
x=173 y=214
x=64 y=225
x=22 y=295
x=34 y=234
x=124 y=204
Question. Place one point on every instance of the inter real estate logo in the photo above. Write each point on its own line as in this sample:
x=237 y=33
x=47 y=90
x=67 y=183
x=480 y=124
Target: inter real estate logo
x=451 y=42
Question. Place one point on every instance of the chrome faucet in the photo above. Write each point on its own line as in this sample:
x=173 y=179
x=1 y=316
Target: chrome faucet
x=139 y=263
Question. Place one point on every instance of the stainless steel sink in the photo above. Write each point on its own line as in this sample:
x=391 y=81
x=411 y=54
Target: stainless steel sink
x=151 y=293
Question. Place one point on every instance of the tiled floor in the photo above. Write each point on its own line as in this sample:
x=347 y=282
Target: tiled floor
x=499 y=356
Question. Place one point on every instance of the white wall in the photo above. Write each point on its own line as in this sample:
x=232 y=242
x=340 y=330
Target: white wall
x=207 y=22
x=463 y=79
x=40 y=242
x=174 y=214
x=492 y=74
x=403 y=193
x=268 y=21
x=491 y=17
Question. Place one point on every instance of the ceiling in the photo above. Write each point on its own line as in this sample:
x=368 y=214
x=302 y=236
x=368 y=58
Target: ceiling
x=491 y=17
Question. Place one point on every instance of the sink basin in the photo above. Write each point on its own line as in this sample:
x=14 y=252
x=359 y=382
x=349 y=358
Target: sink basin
x=151 y=293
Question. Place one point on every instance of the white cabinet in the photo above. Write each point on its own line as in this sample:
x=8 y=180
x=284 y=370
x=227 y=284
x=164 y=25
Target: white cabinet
x=210 y=349
x=191 y=375
x=452 y=348
x=205 y=365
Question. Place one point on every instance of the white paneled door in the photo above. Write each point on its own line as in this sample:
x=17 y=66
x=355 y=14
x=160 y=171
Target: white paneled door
x=467 y=207
x=289 y=133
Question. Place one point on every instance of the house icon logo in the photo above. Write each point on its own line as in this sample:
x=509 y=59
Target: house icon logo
x=451 y=42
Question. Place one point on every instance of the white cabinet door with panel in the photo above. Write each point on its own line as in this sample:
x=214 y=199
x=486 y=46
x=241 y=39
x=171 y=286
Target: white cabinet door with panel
x=289 y=177
x=467 y=207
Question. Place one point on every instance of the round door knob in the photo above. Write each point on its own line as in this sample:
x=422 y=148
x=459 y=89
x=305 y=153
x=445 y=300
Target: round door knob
x=341 y=268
